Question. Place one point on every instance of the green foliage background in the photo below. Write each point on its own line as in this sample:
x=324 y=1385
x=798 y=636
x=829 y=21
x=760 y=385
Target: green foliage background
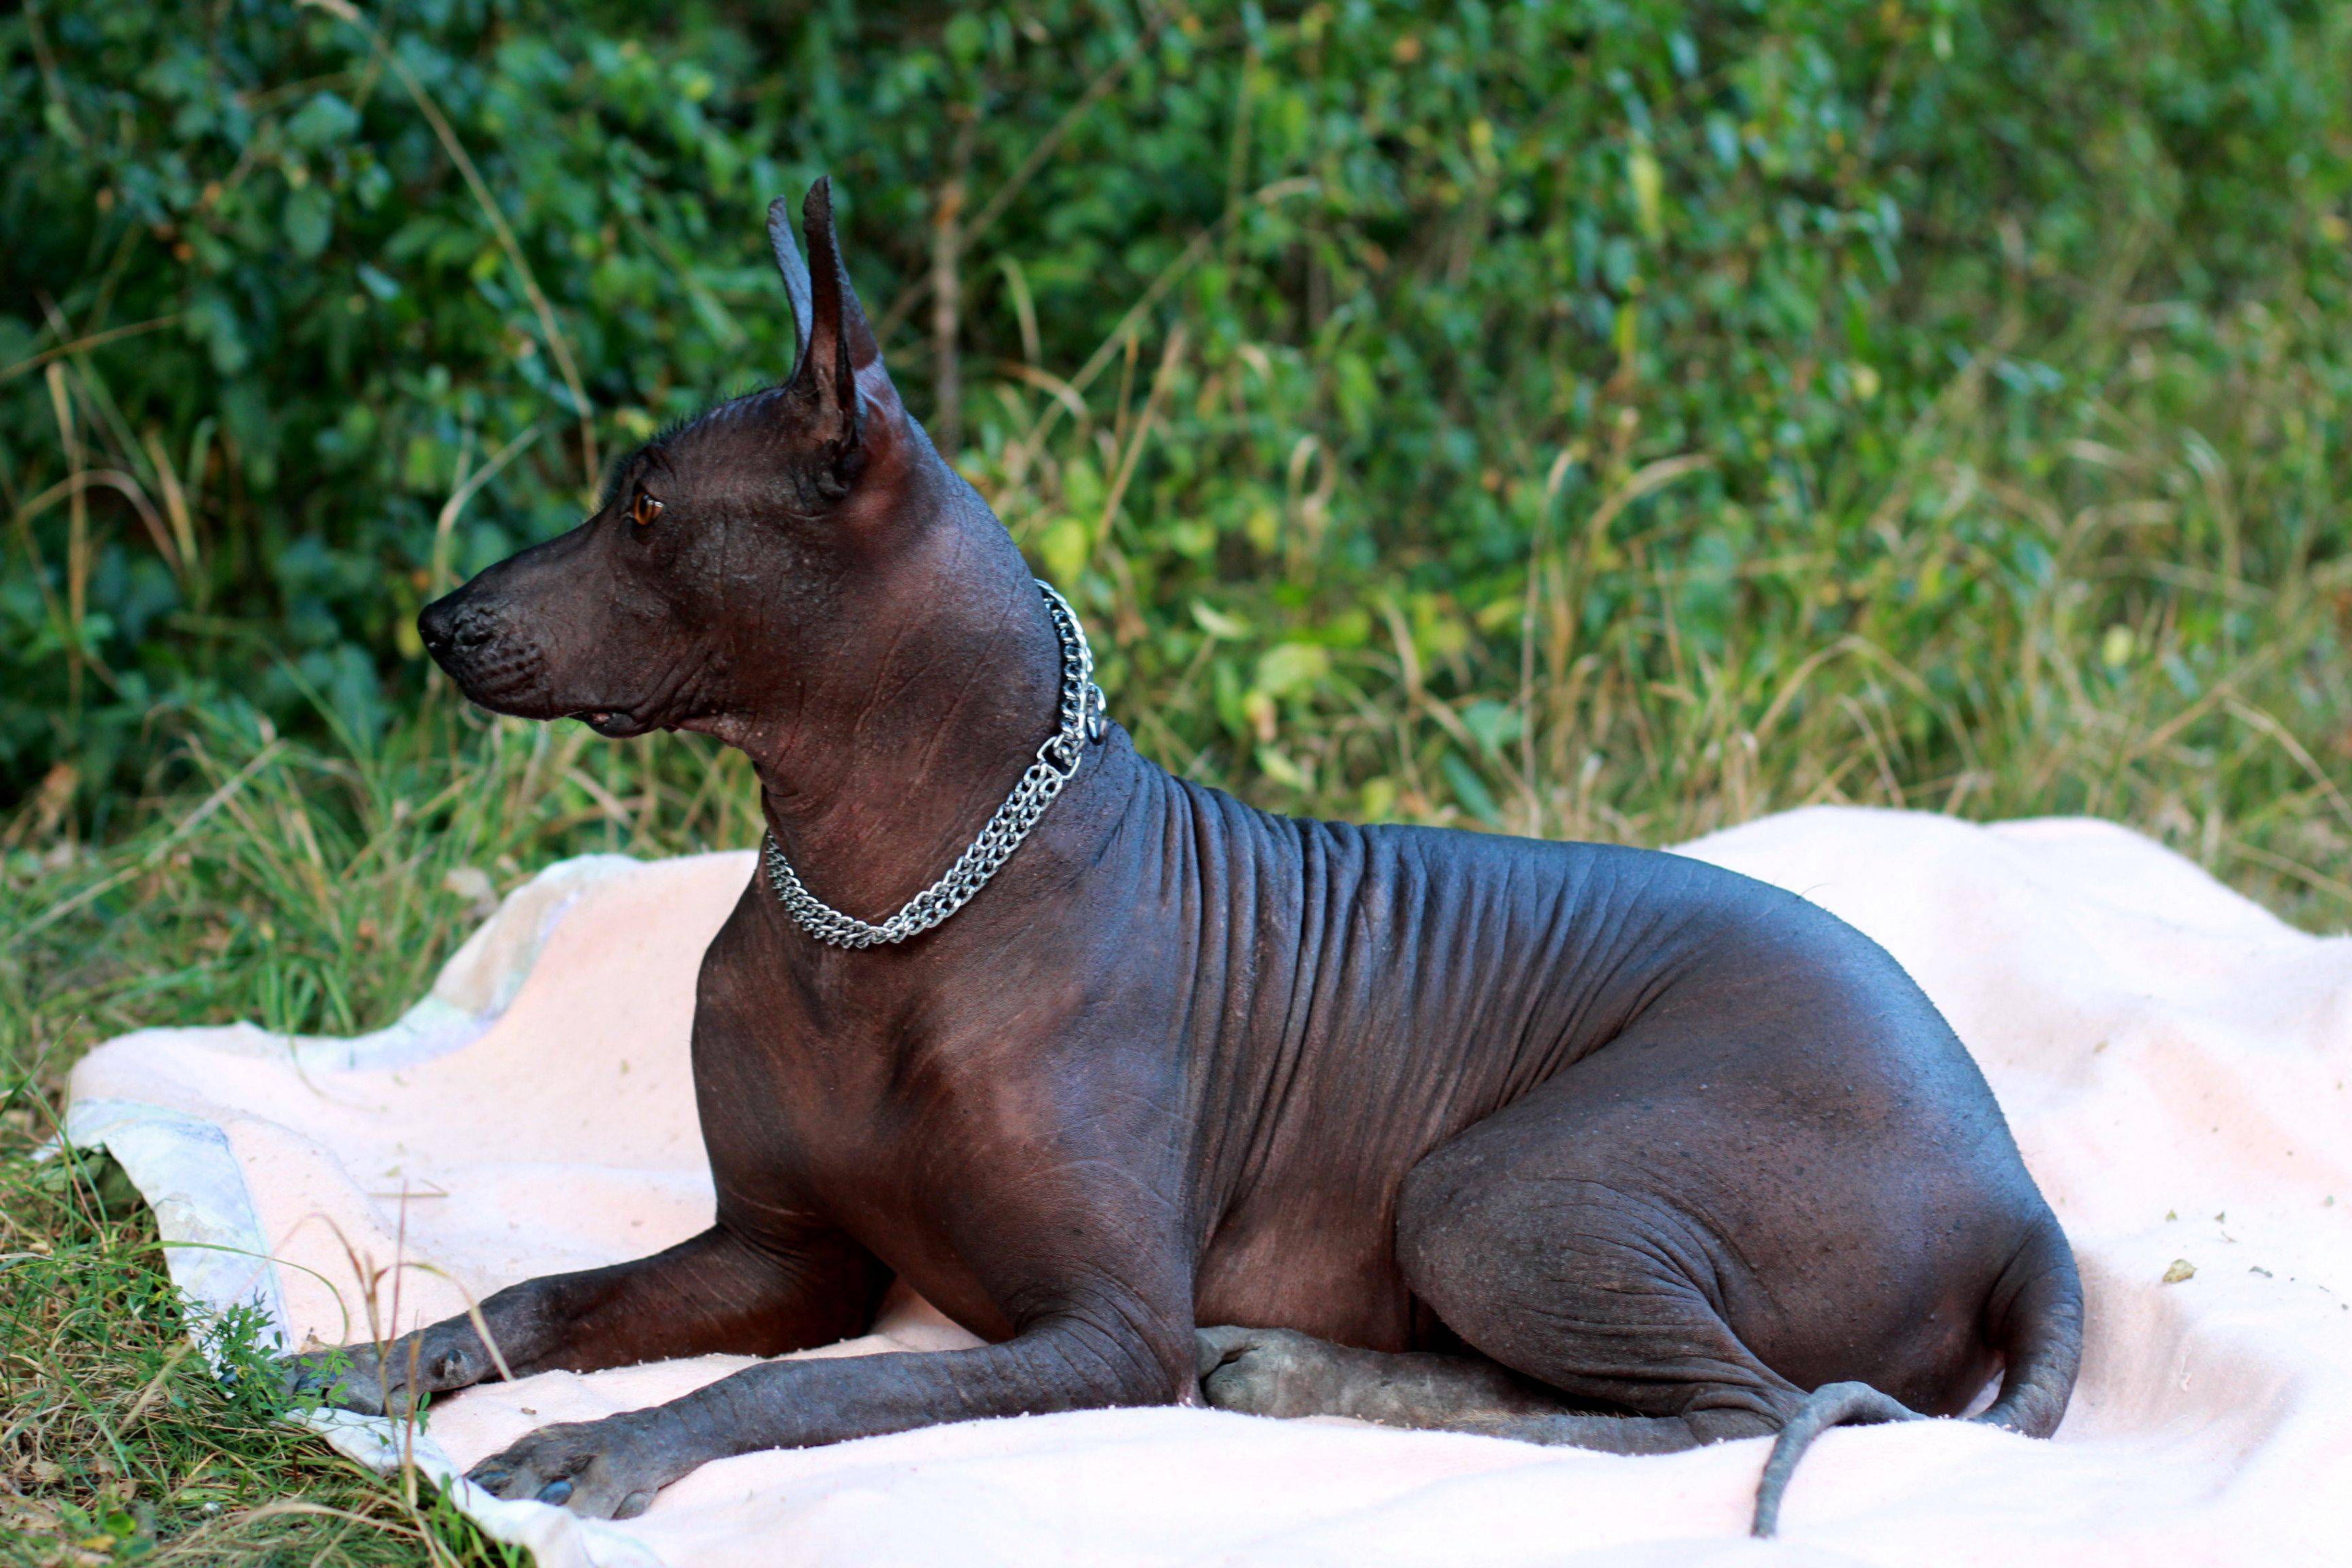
x=1298 y=342
x=1607 y=417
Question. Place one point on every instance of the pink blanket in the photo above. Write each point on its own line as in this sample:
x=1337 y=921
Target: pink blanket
x=2173 y=1058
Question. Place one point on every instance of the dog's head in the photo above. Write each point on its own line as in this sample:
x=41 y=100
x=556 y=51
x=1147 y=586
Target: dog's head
x=728 y=556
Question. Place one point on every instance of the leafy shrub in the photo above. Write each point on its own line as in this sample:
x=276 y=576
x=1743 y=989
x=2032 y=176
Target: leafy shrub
x=1596 y=415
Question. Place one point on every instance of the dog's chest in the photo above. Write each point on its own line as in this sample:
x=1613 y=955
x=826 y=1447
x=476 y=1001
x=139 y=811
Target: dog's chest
x=965 y=1150
x=794 y=1144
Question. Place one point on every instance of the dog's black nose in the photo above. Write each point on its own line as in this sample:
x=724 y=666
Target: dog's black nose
x=436 y=624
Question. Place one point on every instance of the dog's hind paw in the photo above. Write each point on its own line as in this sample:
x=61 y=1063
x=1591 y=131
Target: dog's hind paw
x=1272 y=1372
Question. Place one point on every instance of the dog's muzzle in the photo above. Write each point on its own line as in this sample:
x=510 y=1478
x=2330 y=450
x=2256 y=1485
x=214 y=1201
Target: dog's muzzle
x=490 y=663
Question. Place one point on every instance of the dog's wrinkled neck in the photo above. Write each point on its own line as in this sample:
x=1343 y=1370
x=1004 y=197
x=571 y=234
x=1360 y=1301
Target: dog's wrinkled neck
x=895 y=749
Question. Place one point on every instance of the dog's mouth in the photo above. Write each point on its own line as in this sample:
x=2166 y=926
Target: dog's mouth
x=613 y=723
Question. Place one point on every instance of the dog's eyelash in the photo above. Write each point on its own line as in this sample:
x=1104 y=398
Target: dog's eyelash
x=620 y=480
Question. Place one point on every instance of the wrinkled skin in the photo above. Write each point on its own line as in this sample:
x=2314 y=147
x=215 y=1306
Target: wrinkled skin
x=1559 y=1142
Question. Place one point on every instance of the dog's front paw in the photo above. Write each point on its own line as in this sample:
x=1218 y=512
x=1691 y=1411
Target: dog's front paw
x=599 y=1470
x=391 y=1380
x=348 y=1377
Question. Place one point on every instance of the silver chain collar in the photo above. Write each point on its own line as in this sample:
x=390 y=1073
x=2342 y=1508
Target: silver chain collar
x=1056 y=765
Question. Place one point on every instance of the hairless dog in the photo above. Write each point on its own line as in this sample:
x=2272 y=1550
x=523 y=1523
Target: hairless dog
x=1561 y=1142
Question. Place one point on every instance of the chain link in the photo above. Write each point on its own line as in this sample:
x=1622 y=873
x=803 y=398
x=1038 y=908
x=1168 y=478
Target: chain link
x=1056 y=765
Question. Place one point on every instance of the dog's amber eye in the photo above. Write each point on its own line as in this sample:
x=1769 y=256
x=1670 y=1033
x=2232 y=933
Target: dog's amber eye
x=644 y=509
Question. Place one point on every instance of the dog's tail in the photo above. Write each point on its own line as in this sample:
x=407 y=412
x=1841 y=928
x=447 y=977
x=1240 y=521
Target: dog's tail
x=2034 y=1318
x=1831 y=1405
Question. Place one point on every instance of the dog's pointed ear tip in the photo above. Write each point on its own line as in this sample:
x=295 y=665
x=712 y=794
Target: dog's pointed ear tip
x=817 y=205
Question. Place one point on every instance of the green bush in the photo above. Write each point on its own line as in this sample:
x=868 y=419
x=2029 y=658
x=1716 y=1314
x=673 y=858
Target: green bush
x=1613 y=418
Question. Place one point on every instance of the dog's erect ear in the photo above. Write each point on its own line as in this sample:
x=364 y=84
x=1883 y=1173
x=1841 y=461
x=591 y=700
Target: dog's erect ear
x=840 y=343
x=795 y=271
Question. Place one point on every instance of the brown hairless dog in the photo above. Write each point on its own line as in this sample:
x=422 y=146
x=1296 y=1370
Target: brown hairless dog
x=1556 y=1141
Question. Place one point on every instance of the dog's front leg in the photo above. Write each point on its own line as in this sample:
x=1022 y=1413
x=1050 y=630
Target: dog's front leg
x=715 y=1292
x=1078 y=1360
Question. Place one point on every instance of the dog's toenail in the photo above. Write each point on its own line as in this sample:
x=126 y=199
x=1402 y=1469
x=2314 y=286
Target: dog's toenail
x=555 y=1492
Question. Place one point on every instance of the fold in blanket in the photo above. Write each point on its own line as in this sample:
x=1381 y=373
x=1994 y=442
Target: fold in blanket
x=2172 y=1058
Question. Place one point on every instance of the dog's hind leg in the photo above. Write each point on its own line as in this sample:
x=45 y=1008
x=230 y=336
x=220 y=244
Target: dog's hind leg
x=1553 y=1240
